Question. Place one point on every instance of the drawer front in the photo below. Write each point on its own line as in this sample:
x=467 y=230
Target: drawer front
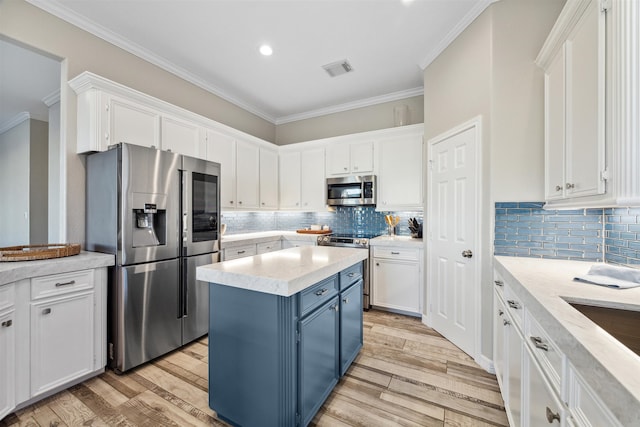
x=514 y=305
x=268 y=246
x=396 y=253
x=585 y=406
x=7 y=296
x=58 y=284
x=350 y=275
x=317 y=294
x=545 y=351
x=239 y=252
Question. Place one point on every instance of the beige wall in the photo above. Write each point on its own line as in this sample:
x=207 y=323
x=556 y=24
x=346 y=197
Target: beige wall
x=38 y=182
x=489 y=70
x=363 y=119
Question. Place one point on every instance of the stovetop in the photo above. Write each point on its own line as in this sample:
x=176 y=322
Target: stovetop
x=361 y=235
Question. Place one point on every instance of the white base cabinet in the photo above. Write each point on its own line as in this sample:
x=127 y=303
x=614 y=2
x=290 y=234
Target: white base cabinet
x=537 y=381
x=53 y=336
x=396 y=279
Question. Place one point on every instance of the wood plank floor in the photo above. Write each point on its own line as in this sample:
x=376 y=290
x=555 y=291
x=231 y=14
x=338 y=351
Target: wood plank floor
x=405 y=375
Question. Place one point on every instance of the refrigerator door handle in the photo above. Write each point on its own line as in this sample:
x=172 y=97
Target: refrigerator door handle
x=184 y=290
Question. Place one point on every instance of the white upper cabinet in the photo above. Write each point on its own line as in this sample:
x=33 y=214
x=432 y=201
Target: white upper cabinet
x=400 y=173
x=131 y=123
x=183 y=137
x=222 y=149
x=591 y=62
x=349 y=158
x=247 y=175
x=268 y=179
x=289 y=183
x=312 y=180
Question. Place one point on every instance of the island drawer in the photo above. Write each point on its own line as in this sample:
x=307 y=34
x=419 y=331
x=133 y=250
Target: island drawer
x=317 y=294
x=57 y=284
x=7 y=295
x=514 y=305
x=350 y=275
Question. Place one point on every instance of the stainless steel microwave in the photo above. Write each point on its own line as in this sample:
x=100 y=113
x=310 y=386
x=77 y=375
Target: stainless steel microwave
x=351 y=191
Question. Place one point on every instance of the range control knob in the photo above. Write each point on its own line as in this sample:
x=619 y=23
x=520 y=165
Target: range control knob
x=325 y=239
x=356 y=241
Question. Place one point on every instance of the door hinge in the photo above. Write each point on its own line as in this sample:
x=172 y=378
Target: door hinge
x=605 y=5
x=604 y=175
x=430 y=165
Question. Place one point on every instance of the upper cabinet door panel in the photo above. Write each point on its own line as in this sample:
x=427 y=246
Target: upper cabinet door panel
x=289 y=181
x=361 y=158
x=585 y=104
x=338 y=159
x=312 y=193
x=400 y=178
x=247 y=174
x=222 y=149
x=180 y=136
x=554 y=129
x=268 y=179
x=133 y=123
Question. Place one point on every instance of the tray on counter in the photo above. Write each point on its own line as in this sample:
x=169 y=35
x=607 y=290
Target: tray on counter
x=314 y=231
x=37 y=252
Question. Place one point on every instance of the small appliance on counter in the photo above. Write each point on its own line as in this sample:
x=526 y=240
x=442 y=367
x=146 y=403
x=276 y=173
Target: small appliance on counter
x=415 y=227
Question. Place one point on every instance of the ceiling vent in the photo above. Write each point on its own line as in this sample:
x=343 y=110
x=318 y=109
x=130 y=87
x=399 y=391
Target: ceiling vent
x=337 y=68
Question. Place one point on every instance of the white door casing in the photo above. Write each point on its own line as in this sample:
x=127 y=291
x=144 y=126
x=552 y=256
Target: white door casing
x=453 y=280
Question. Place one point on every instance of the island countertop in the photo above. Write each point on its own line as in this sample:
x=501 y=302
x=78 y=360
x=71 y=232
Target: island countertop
x=285 y=272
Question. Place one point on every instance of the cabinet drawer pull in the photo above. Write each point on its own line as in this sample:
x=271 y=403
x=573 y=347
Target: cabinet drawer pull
x=395 y=253
x=7 y=323
x=322 y=292
x=46 y=311
x=351 y=274
x=513 y=304
x=498 y=282
x=345 y=300
x=70 y=282
x=505 y=322
x=551 y=417
x=241 y=252
x=537 y=341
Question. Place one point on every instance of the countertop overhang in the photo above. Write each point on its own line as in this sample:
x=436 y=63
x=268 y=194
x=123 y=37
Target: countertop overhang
x=285 y=272
x=19 y=270
x=611 y=369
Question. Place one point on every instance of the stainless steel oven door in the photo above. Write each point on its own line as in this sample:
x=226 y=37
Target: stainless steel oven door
x=200 y=206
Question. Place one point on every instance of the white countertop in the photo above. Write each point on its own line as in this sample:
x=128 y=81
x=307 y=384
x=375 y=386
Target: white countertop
x=610 y=368
x=13 y=271
x=263 y=236
x=397 y=241
x=284 y=272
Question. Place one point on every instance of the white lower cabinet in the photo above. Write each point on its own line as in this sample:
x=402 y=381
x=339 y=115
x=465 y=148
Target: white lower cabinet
x=396 y=279
x=239 y=252
x=52 y=337
x=265 y=247
x=7 y=346
x=538 y=383
x=294 y=243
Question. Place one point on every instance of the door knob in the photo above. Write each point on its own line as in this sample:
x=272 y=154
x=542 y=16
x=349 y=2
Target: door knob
x=467 y=253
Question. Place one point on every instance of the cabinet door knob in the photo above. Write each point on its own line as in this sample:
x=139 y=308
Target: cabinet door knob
x=240 y=202
x=570 y=186
x=551 y=416
x=377 y=264
x=335 y=307
x=558 y=187
x=500 y=312
x=46 y=311
x=505 y=322
x=345 y=300
x=7 y=323
x=230 y=202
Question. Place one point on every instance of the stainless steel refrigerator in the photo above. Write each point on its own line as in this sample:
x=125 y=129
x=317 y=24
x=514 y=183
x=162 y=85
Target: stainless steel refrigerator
x=157 y=212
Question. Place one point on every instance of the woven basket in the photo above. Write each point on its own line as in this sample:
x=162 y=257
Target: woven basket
x=36 y=252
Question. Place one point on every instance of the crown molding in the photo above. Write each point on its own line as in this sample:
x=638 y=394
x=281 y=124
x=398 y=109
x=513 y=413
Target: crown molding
x=14 y=121
x=52 y=98
x=477 y=9
x=394 y=96
x=55 y=8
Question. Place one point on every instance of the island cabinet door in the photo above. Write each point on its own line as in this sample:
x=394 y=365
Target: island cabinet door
x=318 y=358
x=350 y=325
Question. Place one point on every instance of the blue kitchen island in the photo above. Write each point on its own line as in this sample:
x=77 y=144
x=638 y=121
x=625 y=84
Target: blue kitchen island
x=284 y=327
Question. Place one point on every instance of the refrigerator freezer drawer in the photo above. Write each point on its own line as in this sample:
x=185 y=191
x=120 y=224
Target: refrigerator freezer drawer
x=196 y=298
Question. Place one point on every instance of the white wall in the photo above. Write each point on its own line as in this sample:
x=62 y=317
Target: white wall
x=14 y=185
x=489 y=70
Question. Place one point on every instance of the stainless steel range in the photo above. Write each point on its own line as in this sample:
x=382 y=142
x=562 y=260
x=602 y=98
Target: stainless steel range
x=360 y=241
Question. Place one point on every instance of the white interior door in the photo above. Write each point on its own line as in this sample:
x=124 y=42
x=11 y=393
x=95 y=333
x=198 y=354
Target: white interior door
x=454 y=220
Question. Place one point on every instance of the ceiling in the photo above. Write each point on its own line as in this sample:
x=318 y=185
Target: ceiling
x=27 y=78
x=215 y=43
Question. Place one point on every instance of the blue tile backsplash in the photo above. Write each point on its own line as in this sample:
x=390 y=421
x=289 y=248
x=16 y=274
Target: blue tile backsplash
x=609 y=234
x=343 y=220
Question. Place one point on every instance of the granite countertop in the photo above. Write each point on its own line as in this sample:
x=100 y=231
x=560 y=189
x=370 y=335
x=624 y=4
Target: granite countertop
x=284 y=272
x=18 y=270
x=399 y=241
x=263 y=236
x=610 y=368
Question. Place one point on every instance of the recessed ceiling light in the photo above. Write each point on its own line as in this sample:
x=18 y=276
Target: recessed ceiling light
x=266 y=50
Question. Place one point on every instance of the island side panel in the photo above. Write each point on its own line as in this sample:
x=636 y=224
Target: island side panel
x=252 y=356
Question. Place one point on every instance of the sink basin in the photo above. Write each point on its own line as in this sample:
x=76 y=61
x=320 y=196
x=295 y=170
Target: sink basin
x=623 y=325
